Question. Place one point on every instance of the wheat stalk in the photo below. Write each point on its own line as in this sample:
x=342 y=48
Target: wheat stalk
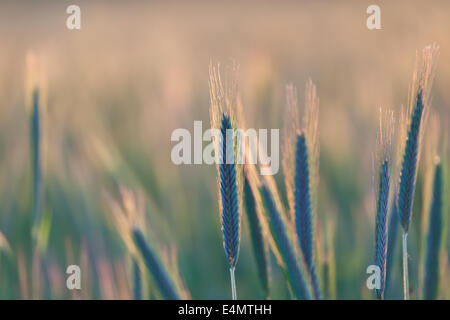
x=393 y=228
x=129 y=221
x=422 y=82
x=229 y=194
x=260 y=247
x=279 y=230
x=161 y=277
x=137 y=281
x=380 y=232
x=224 y=101
x=434 y=236
x=303 y=215
x=35 y=129
x=384 y=152
x=300 y=165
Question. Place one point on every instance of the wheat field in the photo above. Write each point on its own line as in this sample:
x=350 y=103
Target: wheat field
x=86 y=176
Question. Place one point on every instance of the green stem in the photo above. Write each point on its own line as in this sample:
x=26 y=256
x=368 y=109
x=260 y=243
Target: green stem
x=405 y=266
x=233 y=284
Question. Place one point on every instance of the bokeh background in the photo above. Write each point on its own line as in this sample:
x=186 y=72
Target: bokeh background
x=113 y=92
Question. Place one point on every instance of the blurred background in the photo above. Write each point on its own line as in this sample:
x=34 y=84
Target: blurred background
x=113 y=92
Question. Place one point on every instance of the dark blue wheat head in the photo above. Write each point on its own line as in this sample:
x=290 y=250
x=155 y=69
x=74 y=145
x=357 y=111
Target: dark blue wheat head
x=260 y=247
x=434 y=238
x=391 y=242
x=294 y=273
x=35 y=156
x=137 y=282
x=303 y=215
x=409 y=164
x=159 y=274
x=380 y=232
x=230 y=217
